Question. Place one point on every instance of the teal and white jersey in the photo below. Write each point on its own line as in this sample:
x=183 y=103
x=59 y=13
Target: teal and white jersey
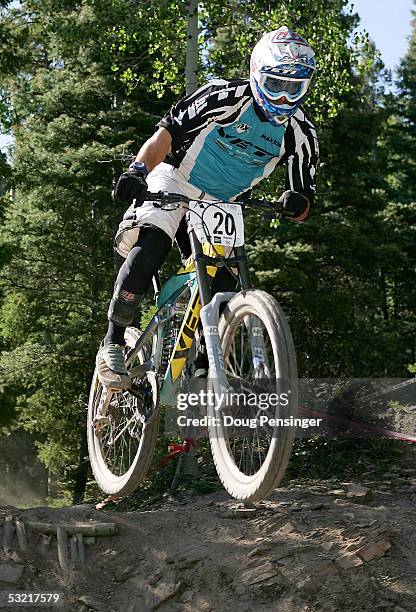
x=223 y=144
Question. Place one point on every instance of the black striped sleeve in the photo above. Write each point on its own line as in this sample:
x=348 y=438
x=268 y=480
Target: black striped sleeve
x=302 y=155
x=215 y=101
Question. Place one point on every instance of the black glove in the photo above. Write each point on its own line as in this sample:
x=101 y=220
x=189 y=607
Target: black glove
x=132 y=185
x=295 y=203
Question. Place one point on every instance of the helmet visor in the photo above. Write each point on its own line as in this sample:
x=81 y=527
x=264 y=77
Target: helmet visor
x=275 y=87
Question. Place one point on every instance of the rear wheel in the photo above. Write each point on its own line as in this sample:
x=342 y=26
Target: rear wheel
x=121 y=442
x=250 y=452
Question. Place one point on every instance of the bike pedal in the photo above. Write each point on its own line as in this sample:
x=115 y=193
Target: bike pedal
x=99 y=422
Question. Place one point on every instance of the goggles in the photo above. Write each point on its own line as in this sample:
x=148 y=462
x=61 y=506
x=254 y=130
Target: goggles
x=277 y=86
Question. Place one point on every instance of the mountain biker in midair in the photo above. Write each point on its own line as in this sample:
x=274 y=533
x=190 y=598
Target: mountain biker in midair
x=217 y=143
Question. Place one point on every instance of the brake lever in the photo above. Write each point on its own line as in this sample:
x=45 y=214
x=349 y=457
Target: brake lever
x=282 y=213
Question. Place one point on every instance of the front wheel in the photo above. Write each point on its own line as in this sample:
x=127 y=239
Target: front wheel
x=251 y=439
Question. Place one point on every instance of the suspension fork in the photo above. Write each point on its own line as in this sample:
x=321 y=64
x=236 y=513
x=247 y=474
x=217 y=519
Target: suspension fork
x=201 y=273
x=209 y=318
x=200 y=261
x=252 y=323
x=243 y=269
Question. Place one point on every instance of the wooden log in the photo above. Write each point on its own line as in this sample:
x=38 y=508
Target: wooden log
x=74 y=550
x=62 y=538
x=8 y=533
x=21 y=535
x=81 y=548
x=44 y=544
x=87 y=529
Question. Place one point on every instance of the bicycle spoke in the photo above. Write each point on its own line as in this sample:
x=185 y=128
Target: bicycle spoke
x=120 y=437
x=249 y=446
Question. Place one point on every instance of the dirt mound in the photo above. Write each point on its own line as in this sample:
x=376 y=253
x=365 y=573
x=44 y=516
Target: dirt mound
x=323 y=545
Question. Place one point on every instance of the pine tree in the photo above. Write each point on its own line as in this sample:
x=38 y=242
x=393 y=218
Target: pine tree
x=328 y=272
x=75 y=129
x=400 y=216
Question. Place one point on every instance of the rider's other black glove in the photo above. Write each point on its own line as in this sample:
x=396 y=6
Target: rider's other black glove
x=243 y=197
x=132 y=185
x=295 y=203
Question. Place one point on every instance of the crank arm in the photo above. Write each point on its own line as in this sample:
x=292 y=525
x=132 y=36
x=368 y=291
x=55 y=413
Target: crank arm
x=140 y=370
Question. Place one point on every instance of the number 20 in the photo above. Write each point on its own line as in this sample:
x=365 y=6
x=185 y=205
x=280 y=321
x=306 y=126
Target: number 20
x=224 y=219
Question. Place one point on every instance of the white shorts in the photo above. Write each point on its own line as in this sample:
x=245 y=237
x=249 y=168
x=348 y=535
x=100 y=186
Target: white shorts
x=163 y=178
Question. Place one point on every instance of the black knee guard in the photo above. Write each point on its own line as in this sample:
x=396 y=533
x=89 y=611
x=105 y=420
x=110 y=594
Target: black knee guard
x=124 y=306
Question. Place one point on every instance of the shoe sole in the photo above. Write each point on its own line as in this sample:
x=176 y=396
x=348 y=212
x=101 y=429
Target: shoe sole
x=124 y=383
x=118 y=386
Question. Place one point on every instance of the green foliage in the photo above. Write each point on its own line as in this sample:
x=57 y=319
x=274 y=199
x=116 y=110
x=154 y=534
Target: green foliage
x=400 y=142
x=232 y=29
x=148 y=50
x=337 y=276
x=74 y=129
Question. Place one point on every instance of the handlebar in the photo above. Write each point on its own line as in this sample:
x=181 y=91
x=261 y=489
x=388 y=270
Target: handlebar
x=164 y=199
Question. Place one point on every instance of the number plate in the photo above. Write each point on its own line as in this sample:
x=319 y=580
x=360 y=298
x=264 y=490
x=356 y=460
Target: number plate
x=218 y=223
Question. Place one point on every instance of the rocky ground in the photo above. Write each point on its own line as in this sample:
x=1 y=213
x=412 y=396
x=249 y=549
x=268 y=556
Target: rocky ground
x=315 y=545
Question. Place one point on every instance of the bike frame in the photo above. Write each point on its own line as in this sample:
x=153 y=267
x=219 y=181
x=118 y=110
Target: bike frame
x=196 y=275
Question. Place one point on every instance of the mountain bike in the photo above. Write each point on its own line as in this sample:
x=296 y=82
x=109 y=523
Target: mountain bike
x=250 y=352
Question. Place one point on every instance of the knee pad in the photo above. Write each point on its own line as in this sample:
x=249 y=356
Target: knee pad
x=124 y=306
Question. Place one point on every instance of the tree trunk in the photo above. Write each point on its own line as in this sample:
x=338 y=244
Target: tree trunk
x=191 y=68
x=191 y=73
x=385 y=308
x=80 y=478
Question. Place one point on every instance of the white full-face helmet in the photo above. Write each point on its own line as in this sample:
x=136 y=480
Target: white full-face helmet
x=281 y=69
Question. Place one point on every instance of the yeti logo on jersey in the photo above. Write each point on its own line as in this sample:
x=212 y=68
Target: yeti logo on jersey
x=237 y=146
x=242 y=127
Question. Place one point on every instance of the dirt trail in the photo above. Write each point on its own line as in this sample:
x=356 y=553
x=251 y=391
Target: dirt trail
x=323 y=545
